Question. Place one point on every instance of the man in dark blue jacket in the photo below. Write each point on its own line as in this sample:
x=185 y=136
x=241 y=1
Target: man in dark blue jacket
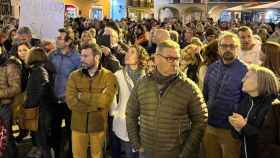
x=65 y=59
x=223 y=92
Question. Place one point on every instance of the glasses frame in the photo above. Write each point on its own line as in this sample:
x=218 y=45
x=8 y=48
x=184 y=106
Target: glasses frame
x=169 y=59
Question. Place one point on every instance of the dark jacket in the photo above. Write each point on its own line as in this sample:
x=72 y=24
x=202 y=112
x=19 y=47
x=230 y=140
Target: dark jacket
x=222 y=91
x=111 y=63
x=255 y=110
x=119 y=53
x=151 y=48
x=171 y=123
x=192 y=72
x=269 y=134
x=24 y=73
x=38 y=91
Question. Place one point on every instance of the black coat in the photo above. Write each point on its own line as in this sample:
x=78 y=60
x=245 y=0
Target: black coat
x=269 y=136
x=249 y=133
x=39 y=91
x=192 y=72
x=111 y=63
x=119 y=53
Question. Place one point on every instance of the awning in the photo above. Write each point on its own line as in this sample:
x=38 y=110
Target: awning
x=273 y=5
x=241 y=7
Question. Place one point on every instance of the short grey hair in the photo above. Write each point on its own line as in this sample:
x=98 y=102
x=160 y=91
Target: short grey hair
x=167 y=44
x=230 y=35
x=24 y=31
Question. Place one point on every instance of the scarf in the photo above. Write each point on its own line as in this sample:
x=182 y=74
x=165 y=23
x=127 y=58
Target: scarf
x=135 y=75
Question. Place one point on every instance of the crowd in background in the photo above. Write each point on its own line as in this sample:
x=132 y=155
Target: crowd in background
x=232 y=67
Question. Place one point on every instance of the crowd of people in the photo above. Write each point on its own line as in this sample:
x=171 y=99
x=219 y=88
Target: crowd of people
x=142 y=89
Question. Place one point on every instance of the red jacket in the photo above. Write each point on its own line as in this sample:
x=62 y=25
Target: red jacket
x=3 y=137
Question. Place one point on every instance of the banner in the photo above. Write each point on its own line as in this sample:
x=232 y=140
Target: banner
x=44 y=17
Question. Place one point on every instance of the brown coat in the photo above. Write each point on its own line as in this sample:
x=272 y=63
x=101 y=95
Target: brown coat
x=89 y=99
x=10 y=83
x=269 y=137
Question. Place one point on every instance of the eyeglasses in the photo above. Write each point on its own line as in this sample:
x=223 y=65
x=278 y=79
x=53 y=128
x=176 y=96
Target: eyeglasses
x=169 y=59
x=230 y=46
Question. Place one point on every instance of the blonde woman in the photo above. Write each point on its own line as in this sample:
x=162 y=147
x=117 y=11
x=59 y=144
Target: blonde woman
x=190 y=61
x=87 y=38
x=261 y=86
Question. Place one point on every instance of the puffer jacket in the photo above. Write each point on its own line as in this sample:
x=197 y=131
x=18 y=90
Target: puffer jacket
x=10 y=82
x=269 y=134
x=171 y=125
x=223 y=91
x=89 y=99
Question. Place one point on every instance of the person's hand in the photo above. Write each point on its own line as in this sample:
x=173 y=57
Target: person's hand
x=237 y=121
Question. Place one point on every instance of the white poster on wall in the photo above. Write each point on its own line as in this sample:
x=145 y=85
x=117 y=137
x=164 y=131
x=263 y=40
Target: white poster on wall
x=44 y=17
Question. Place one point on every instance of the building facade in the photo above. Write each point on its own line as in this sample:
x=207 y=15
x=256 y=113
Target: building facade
x=5 y=7
x=89 y=8
x=139 y=9
x=196 y=9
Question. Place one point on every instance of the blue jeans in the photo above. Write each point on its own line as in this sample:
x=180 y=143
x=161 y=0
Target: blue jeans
x=6 y=115
x=118 y=145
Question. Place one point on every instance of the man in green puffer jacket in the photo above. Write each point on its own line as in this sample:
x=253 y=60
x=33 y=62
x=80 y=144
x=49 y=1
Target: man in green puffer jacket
x=171 y=109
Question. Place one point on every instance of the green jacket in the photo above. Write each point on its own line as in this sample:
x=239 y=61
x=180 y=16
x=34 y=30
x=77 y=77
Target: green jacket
x=89 y=99
x=171 y=125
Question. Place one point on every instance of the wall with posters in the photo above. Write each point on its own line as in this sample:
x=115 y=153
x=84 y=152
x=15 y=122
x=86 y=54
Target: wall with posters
x=44 y=17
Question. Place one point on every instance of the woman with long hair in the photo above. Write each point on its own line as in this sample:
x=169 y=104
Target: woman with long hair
x=134 y=70
x=190 y=61
x=210 y=55
x=270 y=56
x=22 y=52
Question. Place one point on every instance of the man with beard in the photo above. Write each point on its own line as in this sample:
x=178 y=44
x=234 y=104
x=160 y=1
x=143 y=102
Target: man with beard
x=65 y=60
x=89 y=94
x=223 y=92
